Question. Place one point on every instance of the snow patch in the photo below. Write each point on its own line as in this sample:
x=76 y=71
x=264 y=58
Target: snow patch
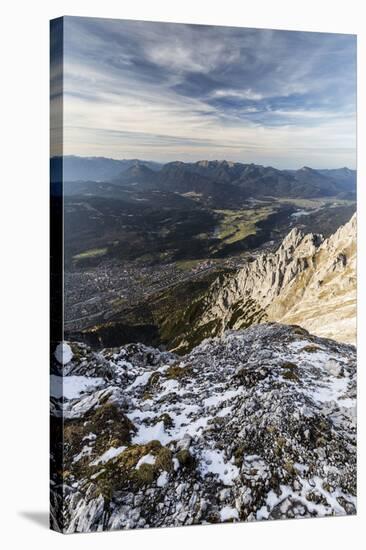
x=147 y=459
x=141 y=380
x=162 y=479
x=108 y=455
x=85 y=451
x=333 y=390
x=228 y=513
x=213 y=462
x=220 y=398
x=63 y=353
x=150 y=433
x=71 y=387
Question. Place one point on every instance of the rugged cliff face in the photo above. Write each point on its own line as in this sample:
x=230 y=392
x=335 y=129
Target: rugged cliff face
x=323 y=297
x=258 y=424
x=308 y=281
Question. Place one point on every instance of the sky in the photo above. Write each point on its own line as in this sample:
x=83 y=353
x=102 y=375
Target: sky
x=166 y=92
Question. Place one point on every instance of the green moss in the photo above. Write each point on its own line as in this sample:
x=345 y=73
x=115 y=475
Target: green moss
x=291 y=376
x=108 y=423
x=178 y=372
x=145 y=474
x=151 y=385
x=289 y=467
x=299 y=331
x=281 y=442
x=327 y=487
x=238 y=454
x=154 y=379
x=186 y=459
x=321 y=442
x=316 y=497
x=291 y=371
x=271 y=429
x=77 y=352
x=289 y=365
x=166 y=419
x=213 y=517
x=164 y=460
x=121 y=472
x=130 y=457
x=217 y=420
x=310 y=349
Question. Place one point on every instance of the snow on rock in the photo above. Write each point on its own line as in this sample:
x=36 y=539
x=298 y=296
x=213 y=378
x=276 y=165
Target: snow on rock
x=63 y=353
x=228 y=513
x=108 y=455
x=213 y=462
x=85 y=451
x=162 y=480
x=147 y=459
x=257 y=424
x=152 y=433
x=140 y=380
x=71 y=387
x=220 y=398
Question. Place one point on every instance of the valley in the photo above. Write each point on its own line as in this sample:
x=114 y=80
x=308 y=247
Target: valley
x=144 y=248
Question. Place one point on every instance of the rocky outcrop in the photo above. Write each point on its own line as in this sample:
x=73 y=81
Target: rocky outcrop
x=308 y=281
x=257 y=424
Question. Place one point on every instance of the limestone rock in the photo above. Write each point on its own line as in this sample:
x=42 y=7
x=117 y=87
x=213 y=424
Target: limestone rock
x=308 y=281
x=263 y=427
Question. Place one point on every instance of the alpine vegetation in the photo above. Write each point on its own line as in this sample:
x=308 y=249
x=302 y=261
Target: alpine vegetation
x=253 y=425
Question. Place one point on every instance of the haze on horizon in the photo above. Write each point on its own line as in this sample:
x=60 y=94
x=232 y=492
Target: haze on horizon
x=167 y=92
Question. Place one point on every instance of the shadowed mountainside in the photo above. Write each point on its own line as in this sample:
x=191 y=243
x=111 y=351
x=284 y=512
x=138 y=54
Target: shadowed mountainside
x=212 y=178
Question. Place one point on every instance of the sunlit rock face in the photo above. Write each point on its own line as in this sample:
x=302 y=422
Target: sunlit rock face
x=308 y=281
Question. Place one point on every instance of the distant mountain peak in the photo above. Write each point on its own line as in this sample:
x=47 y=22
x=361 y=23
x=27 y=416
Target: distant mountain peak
x=206 y=176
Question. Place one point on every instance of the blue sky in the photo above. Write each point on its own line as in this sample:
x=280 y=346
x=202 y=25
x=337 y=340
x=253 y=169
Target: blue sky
x=168 y=92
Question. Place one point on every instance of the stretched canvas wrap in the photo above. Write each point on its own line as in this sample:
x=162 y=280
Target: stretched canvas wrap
x=203 y=274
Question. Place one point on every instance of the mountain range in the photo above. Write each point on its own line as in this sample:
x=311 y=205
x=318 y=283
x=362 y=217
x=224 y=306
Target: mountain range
x=98 y=168
x=209 y=179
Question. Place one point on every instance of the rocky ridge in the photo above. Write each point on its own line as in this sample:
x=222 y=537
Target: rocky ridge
x=256 y=424
x=309 y=280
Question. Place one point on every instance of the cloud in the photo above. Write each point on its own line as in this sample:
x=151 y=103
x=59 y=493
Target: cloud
x=239 y=94
x=164 y=91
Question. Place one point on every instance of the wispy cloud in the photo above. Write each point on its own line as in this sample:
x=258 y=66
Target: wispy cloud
x=239 y=94
x=171 y=91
